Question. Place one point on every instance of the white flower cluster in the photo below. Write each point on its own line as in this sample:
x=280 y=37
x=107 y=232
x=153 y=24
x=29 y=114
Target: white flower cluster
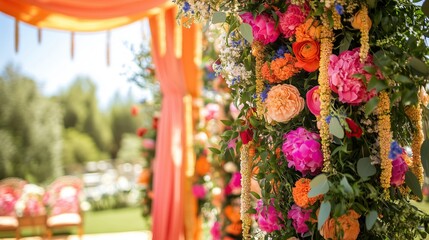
x=197 y=10
x=231 y=67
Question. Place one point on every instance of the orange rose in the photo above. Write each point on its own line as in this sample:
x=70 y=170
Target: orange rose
x=231 y=214
x=202 y=166
x=346 y=226
x=307 y=53
x=311 y=29
x=300 y=193
x=357 y=20
x=234 y=228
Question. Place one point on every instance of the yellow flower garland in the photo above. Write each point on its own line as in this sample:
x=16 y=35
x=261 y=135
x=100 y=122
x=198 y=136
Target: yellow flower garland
x=325 y=91
x=247 y=152
x=258 y=53
x=364 y=34
x=384 y=138
x=414 y=113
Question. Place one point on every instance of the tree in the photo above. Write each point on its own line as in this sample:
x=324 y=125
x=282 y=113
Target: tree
x=30 y=130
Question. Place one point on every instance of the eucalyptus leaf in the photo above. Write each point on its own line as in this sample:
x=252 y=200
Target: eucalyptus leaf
x=414 y=184
x=371 y=105
x=218 y=17
x=319 y=185
x=365 y=169
x=346 y=185
x=335 y=128
x=345 y=42
x=424 y=151
x=246 y=31
x=325 y=210
x=377 y=84
x=370 y=219
x=419 y=65
x=402 y=79
x=215 y=150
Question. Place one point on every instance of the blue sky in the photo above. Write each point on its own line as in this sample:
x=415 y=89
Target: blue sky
x=50 y=63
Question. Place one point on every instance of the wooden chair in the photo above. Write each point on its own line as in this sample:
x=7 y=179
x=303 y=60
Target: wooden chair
x=10 y=191
x=63 y=201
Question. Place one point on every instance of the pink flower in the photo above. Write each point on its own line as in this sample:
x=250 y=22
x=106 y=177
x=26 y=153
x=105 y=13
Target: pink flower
x=246 y=136
x=199 y=191
x=399 y=168
x=235 y=181
x=215 y=231
x=299 y=216
x=349 y=88
x=211 y=111
x=268 y=217
x=7 y=201
x=313 y=100
x=148 y=144
x=263 y=27
x=303 y=151
x=291 y=19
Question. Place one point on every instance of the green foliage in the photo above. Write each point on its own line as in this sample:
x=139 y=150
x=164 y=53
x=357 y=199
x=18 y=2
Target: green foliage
x=30 y=130
x=130 y=150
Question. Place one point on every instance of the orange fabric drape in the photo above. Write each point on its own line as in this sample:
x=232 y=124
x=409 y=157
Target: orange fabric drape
x=82 y=15
x=167 y=210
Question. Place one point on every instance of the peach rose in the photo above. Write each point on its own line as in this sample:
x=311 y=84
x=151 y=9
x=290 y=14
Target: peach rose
x=307 y=53
x=347 y=224
x=357 y=20
x=283 y=103
x=311 y=29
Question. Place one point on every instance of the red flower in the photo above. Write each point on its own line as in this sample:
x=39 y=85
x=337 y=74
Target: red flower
x=135 y=110
x=356 y=131
x=246 y=136
x=155 y=123
x=141 y=131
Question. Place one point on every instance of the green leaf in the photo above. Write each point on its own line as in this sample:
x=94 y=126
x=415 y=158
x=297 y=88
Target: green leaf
x=409 y=96
x=425 y=8
x=365 y=169
x=346 y=185
x=255 y=195
x=325 y=210
x=370 y=219
x=254 y=121
x=418 y=64
x=246 y=31
x=402 y=79
x=218 y=17
x=371 y=105
x=371 y=3
x=319 y=185
x=251 y=211
x=377 y=84
x=335 y=128
x=380 y=58
x=414 y=184
x=215 y=150
x=227 y=122
x=424 y=151
x=370 y=69
x=345 y=42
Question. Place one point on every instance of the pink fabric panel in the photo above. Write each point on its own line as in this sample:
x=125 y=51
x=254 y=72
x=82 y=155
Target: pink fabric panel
x=167 y=211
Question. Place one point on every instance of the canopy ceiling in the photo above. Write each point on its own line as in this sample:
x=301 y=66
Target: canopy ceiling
x=82 y=16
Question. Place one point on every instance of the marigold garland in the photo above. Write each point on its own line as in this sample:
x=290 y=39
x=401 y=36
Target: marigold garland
x=325 y=91
x=384 y=138
x=364 y=34
x=247 y=152
x=414 y=113
x=258 y=53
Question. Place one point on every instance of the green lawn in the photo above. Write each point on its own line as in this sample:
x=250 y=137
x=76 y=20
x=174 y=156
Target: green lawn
x=108 y=221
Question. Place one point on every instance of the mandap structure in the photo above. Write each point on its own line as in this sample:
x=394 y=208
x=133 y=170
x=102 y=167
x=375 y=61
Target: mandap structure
x=176 y=53
x=334 y=104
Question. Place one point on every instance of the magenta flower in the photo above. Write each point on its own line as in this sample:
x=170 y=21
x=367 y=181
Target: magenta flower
x=399 y=167
x=199 y=191
x=235 y=181
x=263 y=27
x=291 y=19
x=7 y=202
x=299 y=216
x=303 y=151
x=342 y=69
x=268 y=217
x=215 y=231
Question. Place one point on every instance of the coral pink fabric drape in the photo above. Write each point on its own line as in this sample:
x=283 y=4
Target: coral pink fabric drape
x=167 y=208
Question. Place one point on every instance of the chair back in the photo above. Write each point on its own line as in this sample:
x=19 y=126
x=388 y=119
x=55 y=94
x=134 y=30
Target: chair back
x=11 y=190
x=64 y=195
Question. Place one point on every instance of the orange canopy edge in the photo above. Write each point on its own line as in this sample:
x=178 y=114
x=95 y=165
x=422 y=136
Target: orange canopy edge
x=82 y=15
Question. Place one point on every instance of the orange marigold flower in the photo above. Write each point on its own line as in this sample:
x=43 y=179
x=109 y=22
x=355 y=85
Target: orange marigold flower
x=311 y=29
x=284 y=68
x=267 y=73
x=234 y=228
x=300 y=193
x=233 y=215
x=345 y=227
